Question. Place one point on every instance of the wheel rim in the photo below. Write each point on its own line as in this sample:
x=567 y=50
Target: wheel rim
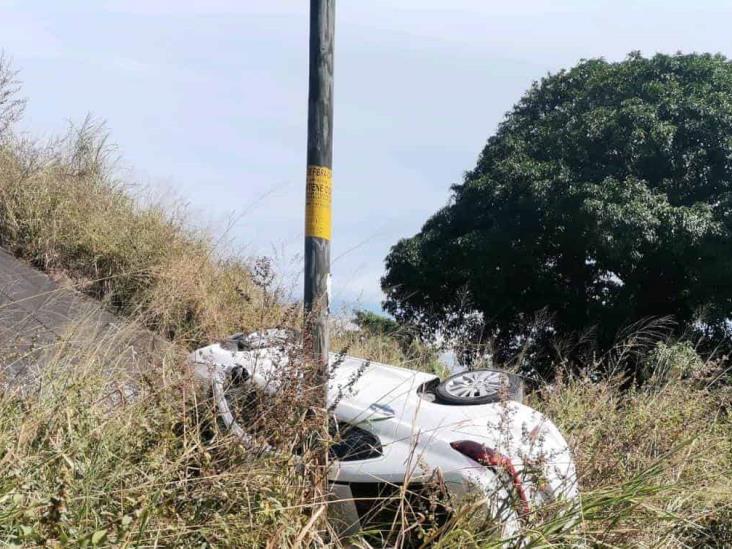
x=476 y=384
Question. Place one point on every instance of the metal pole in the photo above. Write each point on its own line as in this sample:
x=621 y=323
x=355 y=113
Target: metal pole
x=319 y=185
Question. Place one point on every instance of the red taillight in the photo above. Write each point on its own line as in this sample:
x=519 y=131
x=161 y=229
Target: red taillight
x=495 y=461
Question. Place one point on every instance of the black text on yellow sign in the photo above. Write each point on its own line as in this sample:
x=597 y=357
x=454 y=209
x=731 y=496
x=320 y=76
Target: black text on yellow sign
x=318 y=200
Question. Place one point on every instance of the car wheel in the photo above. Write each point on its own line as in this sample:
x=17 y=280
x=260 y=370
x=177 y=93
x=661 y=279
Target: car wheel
x=480 y=387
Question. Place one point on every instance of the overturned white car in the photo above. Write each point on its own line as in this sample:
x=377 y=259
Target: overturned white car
x=402 y=427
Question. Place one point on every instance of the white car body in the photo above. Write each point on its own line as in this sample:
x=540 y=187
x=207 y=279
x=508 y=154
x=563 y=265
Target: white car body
x=416 y=433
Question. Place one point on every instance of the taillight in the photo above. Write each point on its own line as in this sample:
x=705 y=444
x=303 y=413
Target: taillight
x=490 y=458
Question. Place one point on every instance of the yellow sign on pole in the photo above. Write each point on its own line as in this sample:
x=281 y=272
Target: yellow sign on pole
x=318 y=201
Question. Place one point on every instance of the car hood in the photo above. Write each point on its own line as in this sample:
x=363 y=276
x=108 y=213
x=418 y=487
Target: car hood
x=350 y=378
x=372 y=386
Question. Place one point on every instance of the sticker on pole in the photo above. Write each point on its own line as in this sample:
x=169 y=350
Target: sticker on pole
x=318 y=199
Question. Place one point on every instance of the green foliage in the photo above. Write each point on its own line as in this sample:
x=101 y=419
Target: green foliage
x=604 y=197
x=375 y=324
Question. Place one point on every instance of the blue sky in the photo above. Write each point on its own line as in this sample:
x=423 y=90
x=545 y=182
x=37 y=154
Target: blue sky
x=207 y=100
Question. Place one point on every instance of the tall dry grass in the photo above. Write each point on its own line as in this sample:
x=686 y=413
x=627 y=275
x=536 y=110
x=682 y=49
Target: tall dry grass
x=674 y=430
x=113 y=448
x=63 y=209
x=106 y=447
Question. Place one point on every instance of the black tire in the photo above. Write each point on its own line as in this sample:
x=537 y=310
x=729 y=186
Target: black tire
x=496 y=386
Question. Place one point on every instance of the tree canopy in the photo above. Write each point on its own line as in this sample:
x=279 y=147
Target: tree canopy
x=604 y=197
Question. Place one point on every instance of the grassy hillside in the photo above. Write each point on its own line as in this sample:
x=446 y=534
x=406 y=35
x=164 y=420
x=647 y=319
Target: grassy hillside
x=110 y=449
x=63 y=209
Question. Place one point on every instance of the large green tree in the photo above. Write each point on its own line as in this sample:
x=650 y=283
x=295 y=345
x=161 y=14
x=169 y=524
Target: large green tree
x=604 y=197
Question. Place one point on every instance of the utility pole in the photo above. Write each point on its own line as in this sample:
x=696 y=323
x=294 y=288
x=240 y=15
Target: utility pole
x=318 y=200
x=319 y=187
